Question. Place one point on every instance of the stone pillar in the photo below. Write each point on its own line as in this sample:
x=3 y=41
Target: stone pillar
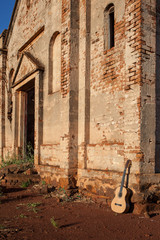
x=38 y=116
x=15 y=120
x=73 y=93
x=84 y=83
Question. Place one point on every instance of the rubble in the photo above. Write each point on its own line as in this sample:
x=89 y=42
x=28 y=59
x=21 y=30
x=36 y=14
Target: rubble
x=14 y=175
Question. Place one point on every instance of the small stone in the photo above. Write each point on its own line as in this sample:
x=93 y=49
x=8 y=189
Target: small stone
x=139 y=208
x=28 y=172
x=137 y=198
x=40 y=189
x=146 y=215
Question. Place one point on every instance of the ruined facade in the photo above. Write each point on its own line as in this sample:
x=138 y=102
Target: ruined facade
x=79 y=80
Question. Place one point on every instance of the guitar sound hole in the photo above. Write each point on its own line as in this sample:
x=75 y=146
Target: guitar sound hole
x=118 y=204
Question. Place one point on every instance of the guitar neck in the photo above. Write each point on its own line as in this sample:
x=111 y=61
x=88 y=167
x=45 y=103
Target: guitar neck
x=124 y=173
x=122 y=183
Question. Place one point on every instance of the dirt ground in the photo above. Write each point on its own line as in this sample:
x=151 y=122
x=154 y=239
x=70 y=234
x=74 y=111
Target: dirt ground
x=25 y=217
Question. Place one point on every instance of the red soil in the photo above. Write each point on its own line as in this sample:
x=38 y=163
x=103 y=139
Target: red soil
x=75 y=220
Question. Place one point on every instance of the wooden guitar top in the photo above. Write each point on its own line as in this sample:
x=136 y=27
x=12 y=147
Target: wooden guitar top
x=120 y=204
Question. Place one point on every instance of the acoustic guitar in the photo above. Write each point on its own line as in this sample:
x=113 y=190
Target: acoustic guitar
x=120 y=203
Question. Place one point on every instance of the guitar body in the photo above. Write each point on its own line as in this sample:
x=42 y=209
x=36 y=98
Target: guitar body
x=120 y=204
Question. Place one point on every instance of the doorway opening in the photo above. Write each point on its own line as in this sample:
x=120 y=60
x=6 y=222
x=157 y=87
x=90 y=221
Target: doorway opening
x=29 y=121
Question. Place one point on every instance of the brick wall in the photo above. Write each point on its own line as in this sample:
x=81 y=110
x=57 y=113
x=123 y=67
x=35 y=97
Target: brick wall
x=114 y=98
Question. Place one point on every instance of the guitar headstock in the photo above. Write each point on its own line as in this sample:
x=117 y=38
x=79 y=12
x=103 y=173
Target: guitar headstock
x=128 y=163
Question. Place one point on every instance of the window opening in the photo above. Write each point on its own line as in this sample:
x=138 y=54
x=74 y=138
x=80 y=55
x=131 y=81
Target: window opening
x=109 y=41
x=111 y=27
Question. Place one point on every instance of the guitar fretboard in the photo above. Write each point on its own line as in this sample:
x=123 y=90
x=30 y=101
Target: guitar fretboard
x=123 y=178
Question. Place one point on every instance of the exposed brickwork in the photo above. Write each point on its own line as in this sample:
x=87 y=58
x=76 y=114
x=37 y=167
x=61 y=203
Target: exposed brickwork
x=65 y=47
x=114 y=73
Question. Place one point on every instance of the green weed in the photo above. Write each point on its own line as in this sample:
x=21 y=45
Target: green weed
x=43 y=182
x=26 y=184
x=30 y=206
x=33 y=206
x=22 y=216
x=2 y=227
x=62 y=190
x=54 y=223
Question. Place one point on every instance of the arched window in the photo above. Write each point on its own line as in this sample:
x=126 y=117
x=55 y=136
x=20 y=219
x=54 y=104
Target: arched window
x=109 y=27
x=54 y=83
x=28 y=3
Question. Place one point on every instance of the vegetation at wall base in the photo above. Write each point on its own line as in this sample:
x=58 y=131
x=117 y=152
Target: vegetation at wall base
x=19 y=159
